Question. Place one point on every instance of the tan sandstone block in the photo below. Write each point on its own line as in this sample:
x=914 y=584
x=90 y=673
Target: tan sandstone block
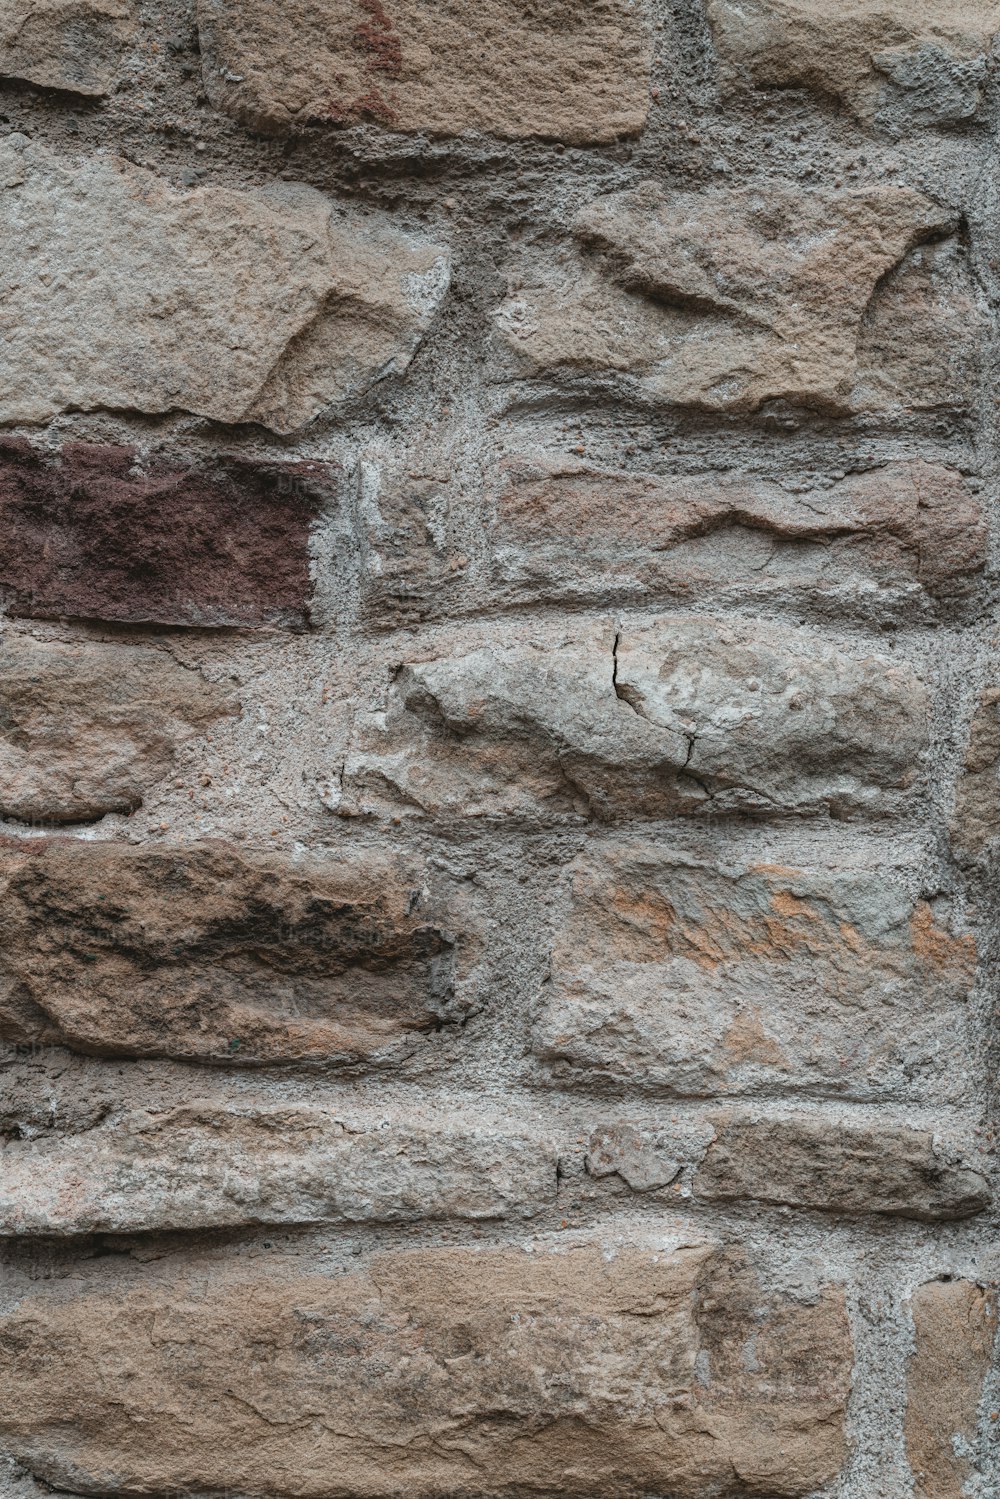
x=577 y=73
x=928 y=58
x=955 y=1324
x=205 y=1166
x=679 y=714
x=818 y=1163
x=120 y=291
x=86 y=729
x=585 y=1371
x=203 y=952
x=976 y=817
x=692 y=976
x=75 y=45
x=909 y=536
x=727 y=299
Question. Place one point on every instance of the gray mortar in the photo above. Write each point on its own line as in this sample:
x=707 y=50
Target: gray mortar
x=489 y=199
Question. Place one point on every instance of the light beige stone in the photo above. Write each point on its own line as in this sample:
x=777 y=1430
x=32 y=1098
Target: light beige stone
x=928 y=58
x=678 y=714
x=590 y=1370
x=206 y=953
x=74 y=45
x=118 y=290
x=577 y=73
x=909 y=537
x=87 y=729
x=205 y=1166
x=727 y=299
x=818 y=1163
x=695 y=976
x=954 y=1323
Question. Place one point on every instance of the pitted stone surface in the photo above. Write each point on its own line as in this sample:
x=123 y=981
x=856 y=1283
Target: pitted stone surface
x=727 y=299
x=203 y=953
x=610 y=1366
x=95 y=533
x=675 y=974
x=675 y=715
x=888 y=60
x=86 y=730
x=205 y=1167
x=76 y=45
x=552 y=69
x=242 y=306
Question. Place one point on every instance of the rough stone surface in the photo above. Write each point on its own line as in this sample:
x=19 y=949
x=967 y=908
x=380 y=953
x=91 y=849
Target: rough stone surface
x=888 y=60
x=954 y=1324
x=976 y=820
x=553 y=1372
x=676 y=715
x=76 y=45
x=728 y=299
x=204 y=953
x=638 y=1158
x=553 y=69
x=811 y=1163
x=94 y=533
x=673 y=973
x=202 y=1167
x=86 y=729
x=242 y=306
x=907 y=537
x=499 y=750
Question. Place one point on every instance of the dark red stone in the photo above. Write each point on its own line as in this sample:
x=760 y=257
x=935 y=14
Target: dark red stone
x=85 y=533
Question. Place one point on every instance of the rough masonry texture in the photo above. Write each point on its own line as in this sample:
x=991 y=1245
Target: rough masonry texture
x=499 y=749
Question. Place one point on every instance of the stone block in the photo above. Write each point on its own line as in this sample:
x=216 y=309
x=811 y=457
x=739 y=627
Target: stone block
x=891 y=62
x=87 y=729
x=95 y=533
x=954 y=1323
x=850 y=1169
x=587 y=1371
x=696 y=976
x=731 y=299
x=679 y=714
x=205 y=1166
x=557 y=70
x=272 y=305
x=208 y=954
x=76 y=46
x=909 y=538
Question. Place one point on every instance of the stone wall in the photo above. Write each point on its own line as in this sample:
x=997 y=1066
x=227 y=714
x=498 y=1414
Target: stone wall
x=499 y=749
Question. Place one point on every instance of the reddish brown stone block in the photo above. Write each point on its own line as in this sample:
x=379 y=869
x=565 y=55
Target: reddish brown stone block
x=88 y=533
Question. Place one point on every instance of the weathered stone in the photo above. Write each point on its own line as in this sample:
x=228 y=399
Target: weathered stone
x=591 y=1371
x=805 y=1162
x=95 y=534
x=726 y=299
x=87 y=729
x=976 y=820
x=411 y=568
x=241 y=306
x=955 y=1322
x=679 y=974
x=553 y=69
x=919 y=348
x=203 y=1167
x=202 y=952
x=75 y=45
x=910 y=536
x=677 y=715
x=640 y=1157
x=887 y=60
